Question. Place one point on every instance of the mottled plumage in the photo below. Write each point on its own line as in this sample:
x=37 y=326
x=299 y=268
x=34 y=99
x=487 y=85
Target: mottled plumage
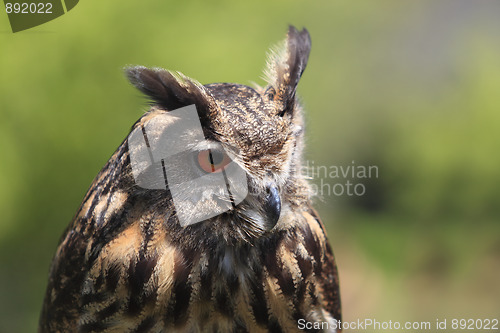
x=125 y=264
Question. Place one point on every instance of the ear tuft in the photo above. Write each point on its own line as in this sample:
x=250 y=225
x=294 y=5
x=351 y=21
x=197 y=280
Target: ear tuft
x=171 y=90
x=285 y=66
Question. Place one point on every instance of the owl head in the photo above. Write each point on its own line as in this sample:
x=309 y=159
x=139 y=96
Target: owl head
x=258 y=131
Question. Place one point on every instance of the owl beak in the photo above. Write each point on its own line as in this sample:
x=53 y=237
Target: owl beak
x=272 y=205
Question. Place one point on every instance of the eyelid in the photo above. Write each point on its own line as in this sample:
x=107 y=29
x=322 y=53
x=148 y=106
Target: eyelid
x=205 y=145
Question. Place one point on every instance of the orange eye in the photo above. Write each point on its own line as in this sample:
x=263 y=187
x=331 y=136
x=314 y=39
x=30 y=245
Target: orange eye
x=212 y=160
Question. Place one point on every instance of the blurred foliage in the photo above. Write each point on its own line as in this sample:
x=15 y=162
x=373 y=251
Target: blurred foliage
x=411 y=87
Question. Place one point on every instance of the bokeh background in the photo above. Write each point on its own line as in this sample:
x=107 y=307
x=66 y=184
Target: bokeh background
x=412 y=87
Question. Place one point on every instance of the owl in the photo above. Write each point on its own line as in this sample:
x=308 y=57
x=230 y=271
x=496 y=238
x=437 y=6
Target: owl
x=201 y=221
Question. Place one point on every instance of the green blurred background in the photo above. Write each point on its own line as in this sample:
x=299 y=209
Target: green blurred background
x=412 y=87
